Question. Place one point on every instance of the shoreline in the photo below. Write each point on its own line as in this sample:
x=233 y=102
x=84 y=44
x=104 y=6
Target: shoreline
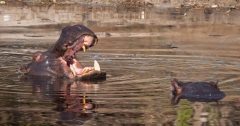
x=233 y=4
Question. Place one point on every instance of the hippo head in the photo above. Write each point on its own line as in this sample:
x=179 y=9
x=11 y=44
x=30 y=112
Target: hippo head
x=60 y=60
x=72 y=40
x=180 y=87
x=195 y=91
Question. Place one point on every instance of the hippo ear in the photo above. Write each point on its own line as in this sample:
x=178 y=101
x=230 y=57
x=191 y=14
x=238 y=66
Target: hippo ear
x=177 y=86
x=37 y=57
x=214 y=84
x=175 y=83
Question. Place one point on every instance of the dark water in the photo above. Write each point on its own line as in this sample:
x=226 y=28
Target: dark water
x=141 y=49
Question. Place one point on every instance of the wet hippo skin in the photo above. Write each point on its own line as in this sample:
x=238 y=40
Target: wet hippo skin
x=60 y=60
x=195 y=91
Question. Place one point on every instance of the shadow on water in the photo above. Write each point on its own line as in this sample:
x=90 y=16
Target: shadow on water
x=141 y=49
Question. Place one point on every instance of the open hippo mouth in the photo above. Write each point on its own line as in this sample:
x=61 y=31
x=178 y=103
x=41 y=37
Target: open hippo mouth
x=81 y=44
x=60 y=59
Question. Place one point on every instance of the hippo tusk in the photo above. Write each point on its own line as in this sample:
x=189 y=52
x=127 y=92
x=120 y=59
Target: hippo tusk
x=87 y=70
x=73 y=70
x=84 y=48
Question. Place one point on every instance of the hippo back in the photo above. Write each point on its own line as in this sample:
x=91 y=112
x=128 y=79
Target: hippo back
x=201 y=91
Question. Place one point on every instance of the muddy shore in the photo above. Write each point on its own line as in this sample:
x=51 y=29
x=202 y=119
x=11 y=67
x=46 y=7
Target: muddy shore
x=136 y=3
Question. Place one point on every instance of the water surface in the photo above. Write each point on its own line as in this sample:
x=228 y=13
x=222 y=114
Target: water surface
x=141 y=49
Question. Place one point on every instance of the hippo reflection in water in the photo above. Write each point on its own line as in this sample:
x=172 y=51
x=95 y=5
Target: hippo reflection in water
x=60 y=59
x=195 y=91
x=70 y=97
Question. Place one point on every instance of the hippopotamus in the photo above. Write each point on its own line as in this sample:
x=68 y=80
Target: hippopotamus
x=60 y=60
x=195 y=91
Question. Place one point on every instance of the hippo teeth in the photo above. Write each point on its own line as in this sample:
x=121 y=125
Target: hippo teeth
x=84 y=48
x=73 y=70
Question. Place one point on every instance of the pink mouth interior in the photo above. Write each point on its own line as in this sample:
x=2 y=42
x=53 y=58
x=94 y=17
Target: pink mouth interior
x=71 y=54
